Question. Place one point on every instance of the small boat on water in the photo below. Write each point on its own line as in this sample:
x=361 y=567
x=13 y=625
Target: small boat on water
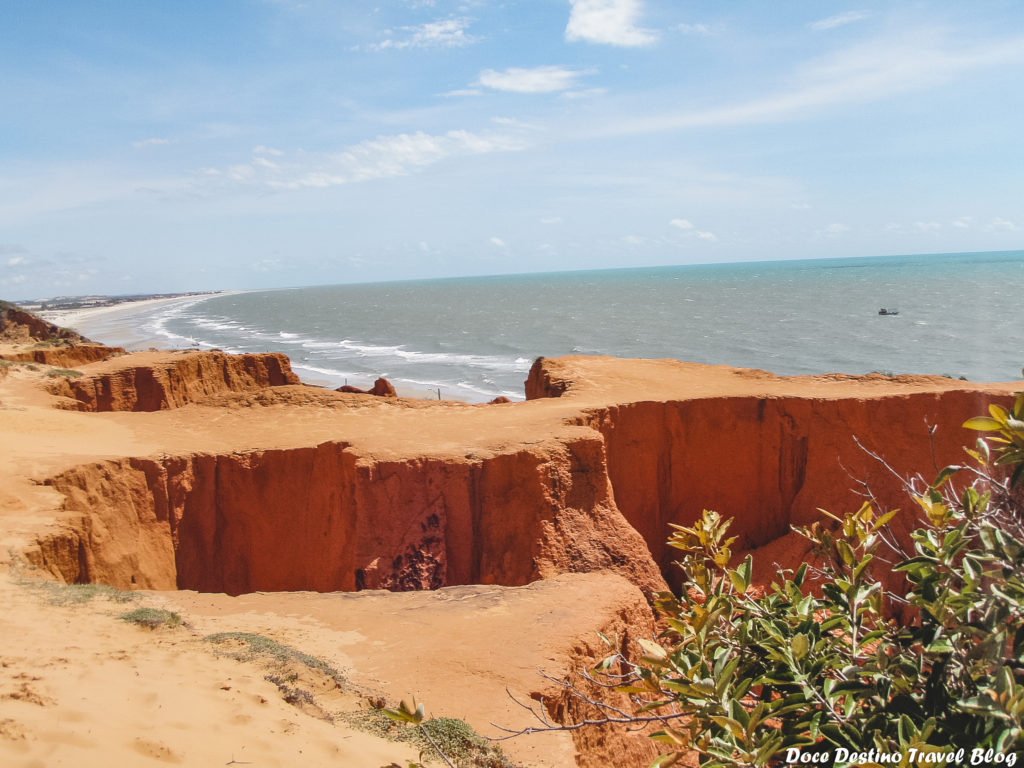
x=884 y=311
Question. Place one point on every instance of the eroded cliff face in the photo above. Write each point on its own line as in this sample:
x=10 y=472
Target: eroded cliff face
x=323 y=519
x=64 y=356
x=770 y=463
x=183 y=378
x=330 y=517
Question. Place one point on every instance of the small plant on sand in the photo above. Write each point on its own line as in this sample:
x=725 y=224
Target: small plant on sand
x=448 y=739
x=151 y=618
x=252 y=646
x=66 y=373
x=58 y=593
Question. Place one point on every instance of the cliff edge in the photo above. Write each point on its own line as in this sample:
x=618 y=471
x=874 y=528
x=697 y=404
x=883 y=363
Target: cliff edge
x=211 y=477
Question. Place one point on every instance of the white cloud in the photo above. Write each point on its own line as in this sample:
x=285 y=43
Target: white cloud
x=703 y=30
x=512 y=122
x=551 y=220
x=835 y=229
x=613 y=22
x=963 y=222
x=1001 y=225
x=447 y=33
x=927 y=226
x=585 y=93
x=463 y=92
x=863 y=73
x=690 y=230
x=382 y=157
x=15 y=261
x=535 y=80
x=154 y=142
x=838 y=20
x=264 y=150
x=634 y=240
x=498 y=242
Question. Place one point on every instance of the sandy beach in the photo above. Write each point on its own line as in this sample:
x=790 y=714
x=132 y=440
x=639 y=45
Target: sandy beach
x=117 y=325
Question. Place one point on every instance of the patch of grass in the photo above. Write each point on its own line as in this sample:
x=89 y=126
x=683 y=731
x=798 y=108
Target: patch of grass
x=151 y=618
x=292 y=694
x=65 y=372
x=7 y=364
x=455 y=738
x=260 y=645
x=76 y=594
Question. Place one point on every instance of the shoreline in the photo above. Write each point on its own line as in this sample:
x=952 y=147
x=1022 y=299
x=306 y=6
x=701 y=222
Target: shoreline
x=117 y=325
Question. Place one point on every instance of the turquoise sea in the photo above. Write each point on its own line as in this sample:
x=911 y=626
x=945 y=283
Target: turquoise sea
x=475 y=338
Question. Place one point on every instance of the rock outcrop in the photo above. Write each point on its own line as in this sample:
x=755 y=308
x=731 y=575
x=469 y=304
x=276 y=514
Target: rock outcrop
x=381 y=388
x=18 y=325
x=70 y=356
x=172 y=380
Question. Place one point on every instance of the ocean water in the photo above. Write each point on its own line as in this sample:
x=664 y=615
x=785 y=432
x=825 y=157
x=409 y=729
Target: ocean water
x=475 y=338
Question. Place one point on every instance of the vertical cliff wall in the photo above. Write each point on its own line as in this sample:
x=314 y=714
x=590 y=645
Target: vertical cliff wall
x=770 y=463
x=180 y=379
x=322 y=519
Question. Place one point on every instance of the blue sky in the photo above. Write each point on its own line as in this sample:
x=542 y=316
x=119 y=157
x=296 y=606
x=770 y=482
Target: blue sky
x=159 y=146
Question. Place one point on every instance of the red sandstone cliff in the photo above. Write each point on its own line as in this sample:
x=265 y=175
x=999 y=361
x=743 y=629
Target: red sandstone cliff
x=19 y=325
x=63 y=356
x=586 y=477
x=173 y=380
x=331 y=518
x=321 y=519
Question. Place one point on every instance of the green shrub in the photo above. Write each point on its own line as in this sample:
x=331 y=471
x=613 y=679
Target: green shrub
x=259 y=645
x=151 y=618
x=74 y=594
x=65 y=372
x=816 y=662
x=448 y=739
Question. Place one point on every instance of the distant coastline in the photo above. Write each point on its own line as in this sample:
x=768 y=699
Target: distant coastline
x=67 y=303
x=114 y=320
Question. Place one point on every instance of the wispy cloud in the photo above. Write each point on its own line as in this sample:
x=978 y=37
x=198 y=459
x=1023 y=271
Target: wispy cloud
x=446 y=33
x=154 y=142
x=612 y=22
x=858 y=74
x=999 y=224
x=382 y=157
x=497 y=241
x=688 y=227
x=839 y=20
x=702 y=30
x=534 y=80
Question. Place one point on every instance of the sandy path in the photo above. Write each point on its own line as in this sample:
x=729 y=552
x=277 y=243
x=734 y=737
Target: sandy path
x=78 y=687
